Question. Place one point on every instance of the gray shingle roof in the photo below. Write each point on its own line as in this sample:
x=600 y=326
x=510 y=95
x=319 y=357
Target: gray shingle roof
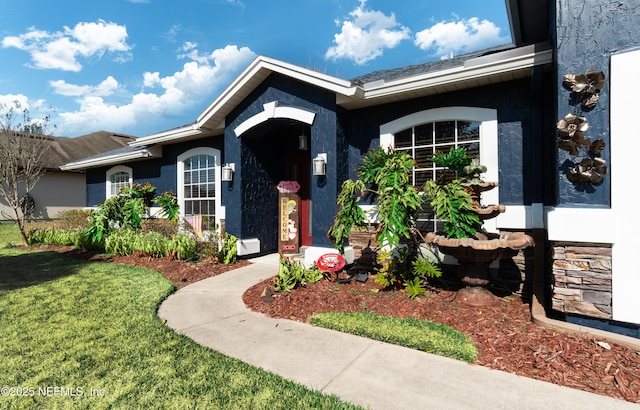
x=433 y=66
x=64 y=150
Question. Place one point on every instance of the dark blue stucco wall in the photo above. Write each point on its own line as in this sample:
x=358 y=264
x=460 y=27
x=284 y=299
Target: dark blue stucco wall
x=587 y=33
x=160 y=172
x=251 y=198
x=521 y=132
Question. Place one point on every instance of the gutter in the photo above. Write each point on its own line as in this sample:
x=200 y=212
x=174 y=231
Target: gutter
x=142 y=153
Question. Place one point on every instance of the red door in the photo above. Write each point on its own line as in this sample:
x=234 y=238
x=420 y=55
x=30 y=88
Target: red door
x=299 y=169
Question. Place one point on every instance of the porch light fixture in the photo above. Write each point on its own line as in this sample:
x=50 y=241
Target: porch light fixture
x=303 y=142
x=227 y=172
x=320 y=164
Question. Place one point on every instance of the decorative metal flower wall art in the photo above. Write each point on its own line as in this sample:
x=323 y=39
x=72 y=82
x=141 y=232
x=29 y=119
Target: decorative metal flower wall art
x=586 y=86
x=585 y=90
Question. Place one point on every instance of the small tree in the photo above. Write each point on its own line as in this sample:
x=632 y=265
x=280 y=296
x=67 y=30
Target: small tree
x=388 y=176
x=23 y=150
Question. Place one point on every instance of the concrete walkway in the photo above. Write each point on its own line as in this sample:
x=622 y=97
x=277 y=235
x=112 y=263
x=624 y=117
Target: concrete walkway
x=365 y=372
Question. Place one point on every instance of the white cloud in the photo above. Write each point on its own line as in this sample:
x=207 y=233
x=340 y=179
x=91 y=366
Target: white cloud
x=366 y=35
x=169 y=96
x=105 y=88
x=8 y=100
x=60 y=50
x=172 y=33
x=459 y=37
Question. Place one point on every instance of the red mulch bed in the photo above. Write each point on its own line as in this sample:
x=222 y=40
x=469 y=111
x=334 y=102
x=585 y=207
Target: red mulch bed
x=504 y=334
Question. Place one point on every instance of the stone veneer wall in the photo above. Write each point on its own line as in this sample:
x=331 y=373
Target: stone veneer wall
x=582 y=279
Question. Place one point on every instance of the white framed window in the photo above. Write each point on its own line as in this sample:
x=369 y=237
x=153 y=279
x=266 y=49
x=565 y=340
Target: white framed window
x=118 y=177
x=199 y=187
x=425 y=132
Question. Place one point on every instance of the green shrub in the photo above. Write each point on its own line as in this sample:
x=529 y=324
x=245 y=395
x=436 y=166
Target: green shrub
x=121 y=242
x=207 y=249
x=407 y=266
x=53 y=236
x=164 y=226
x=413 y=333
x=292 y=274
x=181 y=247
x=153 y=244
x=169 y=204
x=387 y=176
x=350 y=215
x=72 y=219
x=124 y=210
x=228 y=249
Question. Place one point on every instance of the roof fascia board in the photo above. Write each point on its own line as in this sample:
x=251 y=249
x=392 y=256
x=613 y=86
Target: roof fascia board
x=459 y=74
x=169 y=135
x=143 y=153
x=269 y=65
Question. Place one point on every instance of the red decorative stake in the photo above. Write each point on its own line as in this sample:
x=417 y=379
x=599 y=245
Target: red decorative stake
x=331 y=262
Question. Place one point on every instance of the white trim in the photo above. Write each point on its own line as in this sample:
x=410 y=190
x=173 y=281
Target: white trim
x=271 y=110
x=260 y=69
x=475 y=69
x=522 y=217
x=581 y=225
x=180 y=177
x=168 y=135
x=115 y=170
x=616 y=226
x=624 y=201
x=143 y=153
x=488 y=119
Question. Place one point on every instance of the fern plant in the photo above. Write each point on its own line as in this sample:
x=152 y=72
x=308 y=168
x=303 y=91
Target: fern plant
x=181 y=247
x=398 y=200
x=169 y=204
x=456 y=159
x=349 y=215
x=228 y=249
x=453 y=204
x=153 y=244
x=414 y=287
x=292 y=274
x=387 y=174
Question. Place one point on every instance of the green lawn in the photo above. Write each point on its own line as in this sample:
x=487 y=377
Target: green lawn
x=79 y=334
x=409 y=332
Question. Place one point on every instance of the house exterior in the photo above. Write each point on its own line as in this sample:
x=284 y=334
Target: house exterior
x=502 y=104
x=59 y=190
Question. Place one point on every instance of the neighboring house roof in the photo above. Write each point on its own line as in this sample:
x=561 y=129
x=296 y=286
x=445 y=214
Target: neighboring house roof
x=64 y=150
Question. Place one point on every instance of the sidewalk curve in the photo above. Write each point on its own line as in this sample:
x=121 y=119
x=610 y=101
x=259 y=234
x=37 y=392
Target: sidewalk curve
x=359 y=370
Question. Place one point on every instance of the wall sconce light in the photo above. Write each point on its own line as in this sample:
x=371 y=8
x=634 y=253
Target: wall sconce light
x=320 y=164
x=227 y=172
x=303 y=142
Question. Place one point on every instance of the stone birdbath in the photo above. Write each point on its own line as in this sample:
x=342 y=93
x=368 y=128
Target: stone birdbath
x=475 y=255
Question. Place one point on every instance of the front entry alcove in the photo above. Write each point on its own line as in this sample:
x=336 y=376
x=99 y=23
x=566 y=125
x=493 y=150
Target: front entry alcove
x=271 y=152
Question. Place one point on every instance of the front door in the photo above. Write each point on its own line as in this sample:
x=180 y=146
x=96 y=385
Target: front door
x=299 y=169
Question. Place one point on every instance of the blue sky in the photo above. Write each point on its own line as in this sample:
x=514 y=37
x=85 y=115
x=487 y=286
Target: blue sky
x=143 y=66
